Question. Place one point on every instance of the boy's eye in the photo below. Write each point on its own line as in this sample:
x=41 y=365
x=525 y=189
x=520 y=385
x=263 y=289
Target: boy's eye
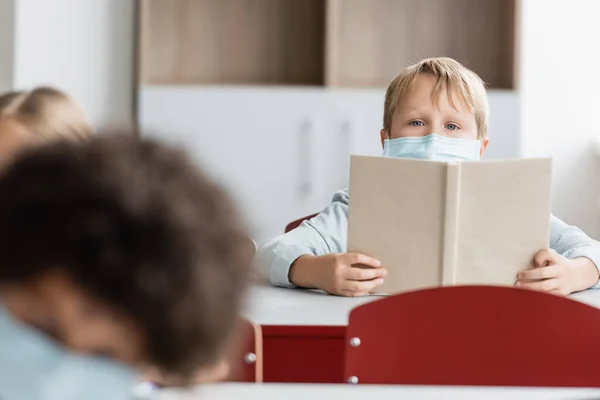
x=451 y=127
x=417 y=123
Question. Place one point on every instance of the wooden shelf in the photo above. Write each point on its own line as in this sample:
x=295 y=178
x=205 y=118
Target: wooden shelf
x=338 y=43
x=372 y=40
x=232 y=41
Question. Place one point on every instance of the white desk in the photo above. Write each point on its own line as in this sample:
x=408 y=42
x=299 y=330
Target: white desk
x=278 y=306
x=269 y=305
x=304 y=331
x=591 y=297
x=361 y=392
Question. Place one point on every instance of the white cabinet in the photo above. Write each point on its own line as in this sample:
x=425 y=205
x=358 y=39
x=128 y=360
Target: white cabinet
x=283 y=152
x=355 y=119
x=260 y=144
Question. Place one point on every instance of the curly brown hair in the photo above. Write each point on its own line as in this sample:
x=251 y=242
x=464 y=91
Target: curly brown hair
x=137 y=225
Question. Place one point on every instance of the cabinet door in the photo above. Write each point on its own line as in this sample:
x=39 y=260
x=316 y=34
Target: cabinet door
x=353 y=125
x=258 y=143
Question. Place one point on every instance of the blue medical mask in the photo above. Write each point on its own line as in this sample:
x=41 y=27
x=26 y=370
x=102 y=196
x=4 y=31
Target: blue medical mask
x=432 y=147
x=33 y=367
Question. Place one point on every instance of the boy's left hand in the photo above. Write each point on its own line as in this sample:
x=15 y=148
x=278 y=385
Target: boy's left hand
x=558 y=275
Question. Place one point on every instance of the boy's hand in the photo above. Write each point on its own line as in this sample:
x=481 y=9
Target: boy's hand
x=556 y=274
x=335 y=273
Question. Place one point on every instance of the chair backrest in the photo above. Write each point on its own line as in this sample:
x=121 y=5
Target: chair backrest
x=247 y=356
x=474 y=335
x=294 y=224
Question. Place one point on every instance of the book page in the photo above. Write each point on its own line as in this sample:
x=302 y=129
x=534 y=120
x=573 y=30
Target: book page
x=397 y=215
x=503 y=219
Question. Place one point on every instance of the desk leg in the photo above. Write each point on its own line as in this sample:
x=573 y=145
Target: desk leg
x=306 y=354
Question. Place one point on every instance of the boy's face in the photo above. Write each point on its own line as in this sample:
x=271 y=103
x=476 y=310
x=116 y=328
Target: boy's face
x=55 y=305
x=419 y=114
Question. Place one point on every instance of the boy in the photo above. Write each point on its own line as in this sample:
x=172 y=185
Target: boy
x=120 y=250
x=437 y=110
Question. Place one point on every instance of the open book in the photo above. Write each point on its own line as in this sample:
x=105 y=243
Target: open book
x=449 y=223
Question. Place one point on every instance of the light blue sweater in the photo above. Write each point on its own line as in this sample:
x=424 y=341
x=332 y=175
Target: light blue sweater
x=327 y=233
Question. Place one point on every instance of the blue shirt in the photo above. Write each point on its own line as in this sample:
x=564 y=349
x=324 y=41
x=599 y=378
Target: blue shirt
x=327 y=233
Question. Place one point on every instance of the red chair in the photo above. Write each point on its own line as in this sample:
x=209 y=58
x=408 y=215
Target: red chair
x=474 y=335
x=294 y=224
x=247 y=358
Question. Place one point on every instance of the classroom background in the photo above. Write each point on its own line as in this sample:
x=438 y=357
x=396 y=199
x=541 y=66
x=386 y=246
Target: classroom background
x=271 y=96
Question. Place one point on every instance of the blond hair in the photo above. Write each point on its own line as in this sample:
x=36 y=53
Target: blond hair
x=450 y=75
x=47 y=113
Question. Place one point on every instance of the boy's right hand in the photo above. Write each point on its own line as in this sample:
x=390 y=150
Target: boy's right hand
x=335 y=273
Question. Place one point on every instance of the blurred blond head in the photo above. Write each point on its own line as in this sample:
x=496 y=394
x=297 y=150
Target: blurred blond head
x=30 y=118
x=47 y=114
